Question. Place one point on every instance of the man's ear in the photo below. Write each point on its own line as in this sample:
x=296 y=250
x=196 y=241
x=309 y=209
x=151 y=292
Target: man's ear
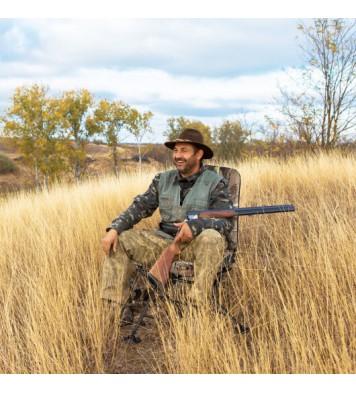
x=200 y=154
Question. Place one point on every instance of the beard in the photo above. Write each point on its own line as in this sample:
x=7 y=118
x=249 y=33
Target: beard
x=184 y=166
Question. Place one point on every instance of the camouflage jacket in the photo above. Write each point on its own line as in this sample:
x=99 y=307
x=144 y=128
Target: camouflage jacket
x=144 y=205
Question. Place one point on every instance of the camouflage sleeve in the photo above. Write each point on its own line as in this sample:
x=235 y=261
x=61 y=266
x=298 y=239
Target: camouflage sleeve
x=220 y=199
x=143 y=205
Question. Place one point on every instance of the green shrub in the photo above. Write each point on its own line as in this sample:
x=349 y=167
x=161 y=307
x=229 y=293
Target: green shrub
x=6 y=164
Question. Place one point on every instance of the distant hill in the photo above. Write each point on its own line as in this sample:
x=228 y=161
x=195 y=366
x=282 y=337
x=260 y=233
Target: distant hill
x=98 y=157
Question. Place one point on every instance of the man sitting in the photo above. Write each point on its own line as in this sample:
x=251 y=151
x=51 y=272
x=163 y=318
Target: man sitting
x=202 y=241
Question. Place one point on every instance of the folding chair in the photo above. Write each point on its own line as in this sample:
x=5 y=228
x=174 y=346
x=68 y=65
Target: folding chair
x=182 y=272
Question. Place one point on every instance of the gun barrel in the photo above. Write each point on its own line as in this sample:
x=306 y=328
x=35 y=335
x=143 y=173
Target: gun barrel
x=249 y=211
x=240 y=211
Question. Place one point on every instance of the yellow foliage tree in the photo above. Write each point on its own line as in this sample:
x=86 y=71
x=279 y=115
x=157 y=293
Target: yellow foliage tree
x=109 y=119
x=75 y=106
x=230 y=139
x=33 y=124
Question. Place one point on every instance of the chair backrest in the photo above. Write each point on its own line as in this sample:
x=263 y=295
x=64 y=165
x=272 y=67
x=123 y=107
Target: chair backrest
x=234 y=179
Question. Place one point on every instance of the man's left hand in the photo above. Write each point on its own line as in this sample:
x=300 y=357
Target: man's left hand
x=185 y=234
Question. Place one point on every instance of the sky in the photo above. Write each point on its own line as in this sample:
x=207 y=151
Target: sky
x=207 y=69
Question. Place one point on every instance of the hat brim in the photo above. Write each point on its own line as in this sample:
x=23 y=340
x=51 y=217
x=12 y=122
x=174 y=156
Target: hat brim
x=208 y=153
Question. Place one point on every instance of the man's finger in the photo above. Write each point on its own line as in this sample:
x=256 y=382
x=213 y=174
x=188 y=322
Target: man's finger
x=178 y=236
x=114 y=247
x=111 y=239
x=184 y=235
x=106 y=249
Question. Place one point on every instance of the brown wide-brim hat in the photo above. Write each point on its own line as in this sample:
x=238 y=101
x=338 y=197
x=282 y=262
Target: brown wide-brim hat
x=195 y=137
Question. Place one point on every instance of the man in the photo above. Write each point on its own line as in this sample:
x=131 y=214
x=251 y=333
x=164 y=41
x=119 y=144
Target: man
x=190 y=187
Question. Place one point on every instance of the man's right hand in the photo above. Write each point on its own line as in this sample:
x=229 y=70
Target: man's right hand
x=110 y=239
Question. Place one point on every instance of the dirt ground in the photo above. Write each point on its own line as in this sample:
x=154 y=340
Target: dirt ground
x=124 y=356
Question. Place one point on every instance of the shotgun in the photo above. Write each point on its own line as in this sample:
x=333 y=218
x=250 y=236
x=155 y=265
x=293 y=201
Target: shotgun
x=159 y=273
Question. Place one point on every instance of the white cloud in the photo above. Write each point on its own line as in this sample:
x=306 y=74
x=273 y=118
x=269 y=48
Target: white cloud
x=151 y=86
x=200 y=46
x=16 y=39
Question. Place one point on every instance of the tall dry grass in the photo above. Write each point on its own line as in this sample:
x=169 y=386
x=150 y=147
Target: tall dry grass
x=294 y=283
x=50 y=267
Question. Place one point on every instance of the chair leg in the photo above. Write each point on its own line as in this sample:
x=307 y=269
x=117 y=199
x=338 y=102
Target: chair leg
x=132 y=338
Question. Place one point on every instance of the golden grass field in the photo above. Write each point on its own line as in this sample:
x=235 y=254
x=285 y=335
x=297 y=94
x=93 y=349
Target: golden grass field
x=294 y=283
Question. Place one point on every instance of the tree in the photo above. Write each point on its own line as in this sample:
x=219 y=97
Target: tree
x=75 y=106
x=33 y=123
x=177 y=125
x=109 y=119
x=325 y=109
x=139 y=125
x=229 y=140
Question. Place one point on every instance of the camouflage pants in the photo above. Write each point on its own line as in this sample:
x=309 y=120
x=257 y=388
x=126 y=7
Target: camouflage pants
x=205 y=251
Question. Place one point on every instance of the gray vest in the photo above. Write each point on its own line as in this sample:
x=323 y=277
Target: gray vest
x=197 y=198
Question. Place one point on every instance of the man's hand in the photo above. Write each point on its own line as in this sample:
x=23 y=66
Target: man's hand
x=110 y=239
x=185 y=234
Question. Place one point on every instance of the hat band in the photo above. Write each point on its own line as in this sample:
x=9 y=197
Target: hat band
x=186 y=140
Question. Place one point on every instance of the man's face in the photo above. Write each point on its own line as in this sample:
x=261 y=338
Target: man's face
x=186 y=160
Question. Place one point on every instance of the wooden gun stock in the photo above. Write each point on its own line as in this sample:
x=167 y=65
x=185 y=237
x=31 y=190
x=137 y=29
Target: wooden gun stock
x=160 y=270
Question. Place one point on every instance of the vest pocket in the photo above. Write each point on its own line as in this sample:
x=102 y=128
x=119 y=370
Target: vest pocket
x=198 y=204
x=165 y=207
